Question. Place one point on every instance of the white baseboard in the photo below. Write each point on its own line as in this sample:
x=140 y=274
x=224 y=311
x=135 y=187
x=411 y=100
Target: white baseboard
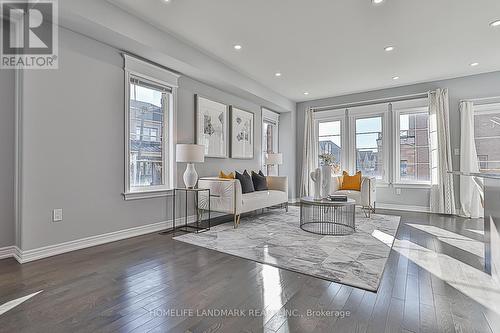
x=24 y=256
x=293 y=200
x=409 y=208
x=6 y=252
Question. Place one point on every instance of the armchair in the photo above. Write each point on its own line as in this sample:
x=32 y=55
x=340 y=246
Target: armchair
x=365 y=198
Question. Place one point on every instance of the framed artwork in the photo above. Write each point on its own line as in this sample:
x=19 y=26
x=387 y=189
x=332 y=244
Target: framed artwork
x=211 y=126
x=242 y=133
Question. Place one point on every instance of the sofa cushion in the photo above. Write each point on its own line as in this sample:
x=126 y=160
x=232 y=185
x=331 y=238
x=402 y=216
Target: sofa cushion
x=261 y=199
x=259 y=181
x=351 y=182
x=226 y=176
x=245 y=181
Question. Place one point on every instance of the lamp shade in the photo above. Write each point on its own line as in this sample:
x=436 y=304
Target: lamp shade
x=274 y=159
x=189 y=153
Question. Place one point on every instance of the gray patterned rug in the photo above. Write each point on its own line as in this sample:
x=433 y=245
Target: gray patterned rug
x=275 y=238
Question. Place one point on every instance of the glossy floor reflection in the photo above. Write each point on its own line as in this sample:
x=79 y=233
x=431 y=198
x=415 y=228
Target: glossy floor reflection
x=152 y=283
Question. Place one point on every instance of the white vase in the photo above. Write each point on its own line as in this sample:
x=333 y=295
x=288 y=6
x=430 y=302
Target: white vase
x=190 y=176
x=326 y=179
x=316 y=178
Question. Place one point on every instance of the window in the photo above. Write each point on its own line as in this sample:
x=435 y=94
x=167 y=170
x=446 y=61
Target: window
x=412 y=153
x=369 y=146
x=149 y=109
x=270 y=135
x=388 y=141
x=330 y=140
x=149 y=146
x=487 y=136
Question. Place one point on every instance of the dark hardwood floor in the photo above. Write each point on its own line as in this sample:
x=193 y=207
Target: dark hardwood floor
x=154 y=283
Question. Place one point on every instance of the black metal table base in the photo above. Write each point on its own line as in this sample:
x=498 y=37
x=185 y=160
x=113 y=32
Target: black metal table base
x=327 y=218
x=201 y=203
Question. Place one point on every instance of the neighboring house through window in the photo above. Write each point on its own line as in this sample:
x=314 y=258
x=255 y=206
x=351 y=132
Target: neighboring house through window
x=150 y=111
x=360 y=139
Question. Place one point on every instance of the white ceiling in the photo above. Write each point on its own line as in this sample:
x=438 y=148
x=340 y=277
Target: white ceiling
x=335 y=47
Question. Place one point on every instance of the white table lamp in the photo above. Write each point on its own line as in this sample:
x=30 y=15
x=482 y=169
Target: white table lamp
x=190 y=153
x=273 y=159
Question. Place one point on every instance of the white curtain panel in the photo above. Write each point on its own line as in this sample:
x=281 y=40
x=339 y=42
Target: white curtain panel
x=309 y=155
x=470 y=198
x=442 y=191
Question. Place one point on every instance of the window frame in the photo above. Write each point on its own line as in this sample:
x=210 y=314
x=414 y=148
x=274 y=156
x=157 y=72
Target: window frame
x=157 y=75
x=397 y=112
x=484 y=109
x=331 y=116
x=272 y=118
x=365 y=112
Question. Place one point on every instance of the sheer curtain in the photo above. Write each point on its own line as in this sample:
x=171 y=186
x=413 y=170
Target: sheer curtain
x=442 y=191
x=309 y=155
x=470 y=199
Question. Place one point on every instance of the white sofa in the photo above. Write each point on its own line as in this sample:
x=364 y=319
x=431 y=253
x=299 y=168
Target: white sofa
x=226 y=196
x=366 y=198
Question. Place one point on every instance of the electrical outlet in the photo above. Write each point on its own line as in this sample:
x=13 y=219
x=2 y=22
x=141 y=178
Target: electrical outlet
x=57 y=215
x=398 y=191
x=457 y=151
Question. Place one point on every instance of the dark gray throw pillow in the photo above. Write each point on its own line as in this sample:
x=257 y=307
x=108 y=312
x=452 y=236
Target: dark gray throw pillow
x=259 y=181
x=246 y=182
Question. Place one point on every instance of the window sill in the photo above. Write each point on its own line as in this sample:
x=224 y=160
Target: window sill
x=412 y=185
x=147 y=194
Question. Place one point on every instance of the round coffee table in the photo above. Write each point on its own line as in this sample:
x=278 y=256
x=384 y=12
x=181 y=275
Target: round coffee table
x=325 y=217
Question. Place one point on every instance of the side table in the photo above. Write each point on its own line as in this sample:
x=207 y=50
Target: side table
x=201 y=206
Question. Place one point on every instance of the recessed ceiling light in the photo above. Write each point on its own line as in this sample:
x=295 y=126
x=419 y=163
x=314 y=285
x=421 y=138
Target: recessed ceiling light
x=237 y=47
x=278 y=74
x=395 y=77
x=389 y=48
x=306 y=93
x=166 y=1
x=495 y=23
x=474 y=64
x=376 y=2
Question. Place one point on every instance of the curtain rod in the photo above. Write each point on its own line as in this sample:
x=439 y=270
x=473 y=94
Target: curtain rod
x=479 y=99
x=372 y=101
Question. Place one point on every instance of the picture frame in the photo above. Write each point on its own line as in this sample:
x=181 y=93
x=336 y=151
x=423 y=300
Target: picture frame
x=242 y=133
x=212 y=126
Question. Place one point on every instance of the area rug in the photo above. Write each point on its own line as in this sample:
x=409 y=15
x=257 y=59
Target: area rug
x=275 y=238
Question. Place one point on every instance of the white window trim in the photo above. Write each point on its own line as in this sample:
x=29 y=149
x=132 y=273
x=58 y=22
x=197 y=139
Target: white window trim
x=329 y=116
x=273 y=118
x=398 y=182
x=370 y=111
x=484 y=109
x=142 y=69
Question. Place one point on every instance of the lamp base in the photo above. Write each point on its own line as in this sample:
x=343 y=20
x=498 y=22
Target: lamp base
x=190 y=176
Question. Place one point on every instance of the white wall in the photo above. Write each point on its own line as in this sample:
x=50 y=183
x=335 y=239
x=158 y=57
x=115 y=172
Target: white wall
x=73 y=145
x=483 y=85
x=7 y=111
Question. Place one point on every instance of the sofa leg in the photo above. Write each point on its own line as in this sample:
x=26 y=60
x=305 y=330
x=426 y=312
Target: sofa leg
x=239 y=217
x=286 y=207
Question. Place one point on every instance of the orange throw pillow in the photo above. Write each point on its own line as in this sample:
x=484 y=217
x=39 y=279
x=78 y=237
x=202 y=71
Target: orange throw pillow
x=352 y=183
x=228 y=176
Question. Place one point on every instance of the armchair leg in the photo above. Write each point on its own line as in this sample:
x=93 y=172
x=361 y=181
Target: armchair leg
x=286 y=207
x=235 y=221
